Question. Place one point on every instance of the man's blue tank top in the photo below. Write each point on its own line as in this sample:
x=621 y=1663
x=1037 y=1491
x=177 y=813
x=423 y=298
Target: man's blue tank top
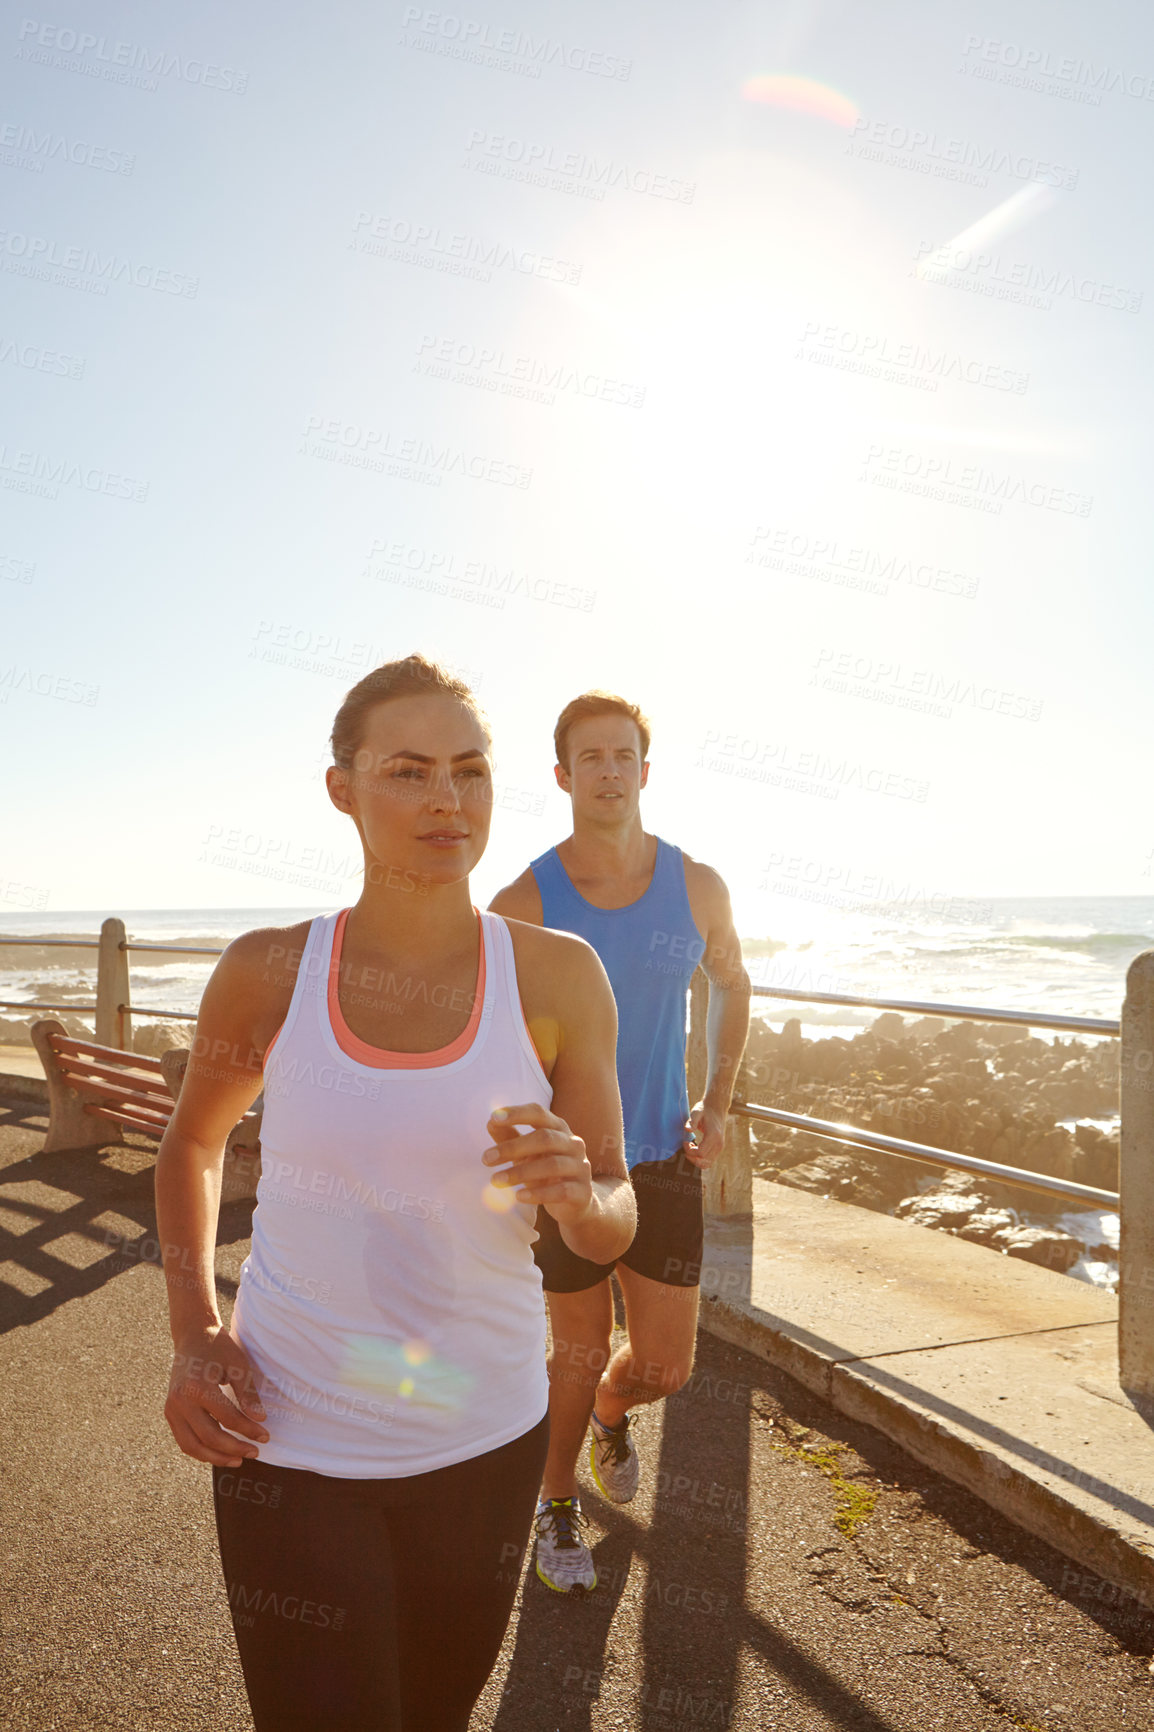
x=649 y=950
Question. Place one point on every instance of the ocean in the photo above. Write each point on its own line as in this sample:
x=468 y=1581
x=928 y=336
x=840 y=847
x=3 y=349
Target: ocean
x=1064 y=956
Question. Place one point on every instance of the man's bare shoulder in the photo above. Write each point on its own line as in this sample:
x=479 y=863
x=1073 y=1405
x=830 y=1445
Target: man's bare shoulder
x=520 y=900
x=702 y=878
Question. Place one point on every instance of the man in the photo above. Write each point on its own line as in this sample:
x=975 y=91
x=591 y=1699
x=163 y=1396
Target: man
x=652 y=914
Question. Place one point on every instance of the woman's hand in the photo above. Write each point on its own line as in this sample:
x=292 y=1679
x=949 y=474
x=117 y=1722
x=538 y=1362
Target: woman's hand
x=200 y=1413
x=547 y=1163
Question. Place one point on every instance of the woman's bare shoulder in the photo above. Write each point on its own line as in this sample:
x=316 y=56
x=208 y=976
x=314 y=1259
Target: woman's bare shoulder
x=556 y=969
x=265 y=954
x=252 y=985
x=545 y=947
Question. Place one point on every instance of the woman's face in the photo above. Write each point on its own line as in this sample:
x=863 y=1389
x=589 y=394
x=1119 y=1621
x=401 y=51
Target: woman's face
x=420 y=791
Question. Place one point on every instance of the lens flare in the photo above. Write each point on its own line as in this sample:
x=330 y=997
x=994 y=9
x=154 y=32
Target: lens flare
x=802 y=96
x=408 y=1371
x=1021 y=207
x=499 y=1198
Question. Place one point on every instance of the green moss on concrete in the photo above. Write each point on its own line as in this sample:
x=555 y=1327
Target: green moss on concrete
x=855 y=1502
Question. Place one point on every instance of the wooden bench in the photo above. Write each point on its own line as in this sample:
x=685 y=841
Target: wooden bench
x=96 y=1092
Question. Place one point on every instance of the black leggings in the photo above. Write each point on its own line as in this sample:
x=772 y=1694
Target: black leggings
x=374 y=1605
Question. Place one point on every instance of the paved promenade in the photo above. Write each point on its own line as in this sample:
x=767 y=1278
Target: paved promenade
x=784 y=1566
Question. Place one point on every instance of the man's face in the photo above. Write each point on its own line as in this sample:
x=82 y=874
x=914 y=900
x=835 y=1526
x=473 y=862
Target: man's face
x=605 y=774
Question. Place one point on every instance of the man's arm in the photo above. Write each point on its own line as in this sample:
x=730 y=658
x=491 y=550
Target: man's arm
x=727 y=1019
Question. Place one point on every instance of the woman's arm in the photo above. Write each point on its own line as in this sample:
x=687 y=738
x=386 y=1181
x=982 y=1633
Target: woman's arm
x=572 y=1159
x=222 y=1081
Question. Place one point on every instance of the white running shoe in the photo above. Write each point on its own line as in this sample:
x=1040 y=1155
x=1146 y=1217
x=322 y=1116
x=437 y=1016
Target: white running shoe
x=564 y=1561
x=613 y=1460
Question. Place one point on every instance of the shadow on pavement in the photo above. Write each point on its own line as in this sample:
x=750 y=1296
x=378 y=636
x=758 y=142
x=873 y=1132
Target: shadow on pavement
x=75 y=1219
x=563 y=1647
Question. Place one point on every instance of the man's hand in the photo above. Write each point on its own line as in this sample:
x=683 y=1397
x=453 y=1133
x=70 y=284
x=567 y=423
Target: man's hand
x=200 y=1414
x=707 y=1127
x=546 y=1163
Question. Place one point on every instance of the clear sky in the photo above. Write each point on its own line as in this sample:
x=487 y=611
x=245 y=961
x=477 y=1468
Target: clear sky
x=774 y=364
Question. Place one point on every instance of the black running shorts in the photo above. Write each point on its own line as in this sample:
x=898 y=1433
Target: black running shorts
x=668 y=1243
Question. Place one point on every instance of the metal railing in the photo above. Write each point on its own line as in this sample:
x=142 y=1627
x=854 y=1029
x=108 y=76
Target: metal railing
x=728 y=1185
x=112 y=1007
x=963 y=1012
x=862 y=1139
x=858 y=1137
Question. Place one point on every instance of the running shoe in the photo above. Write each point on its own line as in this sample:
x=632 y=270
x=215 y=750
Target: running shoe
x=613 y=1460
x=564 y=1561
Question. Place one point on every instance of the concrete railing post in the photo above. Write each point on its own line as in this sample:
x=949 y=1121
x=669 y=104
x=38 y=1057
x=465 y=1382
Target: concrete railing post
x=1136 y=1182
x=729 y=1182
x=113 y=1026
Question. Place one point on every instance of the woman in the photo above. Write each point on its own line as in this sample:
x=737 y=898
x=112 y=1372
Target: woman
x=376 y=1415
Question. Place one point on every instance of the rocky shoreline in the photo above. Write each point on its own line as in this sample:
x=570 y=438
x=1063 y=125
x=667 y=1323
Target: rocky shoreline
x=151 y=1037
x=985 y=1089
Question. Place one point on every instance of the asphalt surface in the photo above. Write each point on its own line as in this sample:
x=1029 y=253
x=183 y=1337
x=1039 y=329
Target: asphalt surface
x=780 y=1568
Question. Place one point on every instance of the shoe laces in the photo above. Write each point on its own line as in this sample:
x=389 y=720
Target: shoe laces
x=564 y=1517
x=616 y=1440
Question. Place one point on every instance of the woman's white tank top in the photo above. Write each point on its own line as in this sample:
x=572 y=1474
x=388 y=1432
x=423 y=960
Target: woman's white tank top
x=390 y=1301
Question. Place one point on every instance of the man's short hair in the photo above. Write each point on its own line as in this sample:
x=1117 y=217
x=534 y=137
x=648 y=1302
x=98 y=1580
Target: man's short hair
x=591 y=704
